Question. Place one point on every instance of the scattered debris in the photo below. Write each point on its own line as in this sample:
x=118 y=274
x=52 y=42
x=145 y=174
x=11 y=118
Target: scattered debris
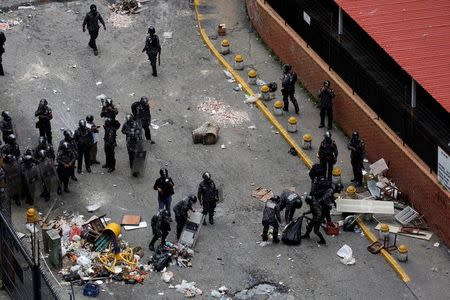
x=167 y=34
x=260 y=82
x=365 y=206
x=131 y=220
x=167 y=276
x=142 y=224
x=266 y=290
x=223 y=114
x=262 y=194
x=436 y=244
x=120 y=21
x=378 y=167
x=98 y=83
x=31 y=7
x=188 y=289
x=253 y=127
x=207 y=134
x=408 y=231
x=223 y=146
x=229 y=76
x=93 y=207
x=346 y=253
x=406 y=216
x=127 y=6
x=252 y=99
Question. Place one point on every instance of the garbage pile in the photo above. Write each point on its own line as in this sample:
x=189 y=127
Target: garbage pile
x=171 y=254
x=126 y=6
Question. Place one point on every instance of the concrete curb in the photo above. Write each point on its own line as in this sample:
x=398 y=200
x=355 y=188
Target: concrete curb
x=301 y=154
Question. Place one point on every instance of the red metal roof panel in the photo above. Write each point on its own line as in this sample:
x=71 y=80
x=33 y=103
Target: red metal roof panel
x=415 y=33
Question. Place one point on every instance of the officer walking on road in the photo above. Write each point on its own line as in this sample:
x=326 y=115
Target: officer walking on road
x=83 y=138
x=133 y=137
x=328 y=154
x=326 y=96
x=108 y=109
x=153 y=49
x=271 y=217
x=356 y=146
x=207 y=196
x=2 y=50
x=317 y=218
x=141 y=113
x=164 y=185
x=44 y=114
x=65 y=164
x=91 y=21
x=181 y=211
x=111 y=127
x=6 y=125
x=160 y=227
x=69 y=139
x=288 y=88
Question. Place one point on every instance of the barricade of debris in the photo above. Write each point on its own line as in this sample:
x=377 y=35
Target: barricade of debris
x=128 y=6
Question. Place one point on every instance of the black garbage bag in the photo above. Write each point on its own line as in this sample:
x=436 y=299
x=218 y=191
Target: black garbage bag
x=272 y=86
x=350 y=223
x=293 y=232
x=160 y=261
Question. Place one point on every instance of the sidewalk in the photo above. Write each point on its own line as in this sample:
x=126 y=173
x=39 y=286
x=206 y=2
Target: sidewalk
x=426 y=261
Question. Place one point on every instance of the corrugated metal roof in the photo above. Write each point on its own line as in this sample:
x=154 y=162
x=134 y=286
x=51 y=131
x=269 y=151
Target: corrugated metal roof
x=415 y=33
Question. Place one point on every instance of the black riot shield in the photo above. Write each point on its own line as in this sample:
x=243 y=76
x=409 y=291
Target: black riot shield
x=14 y=180
x=139 y=162
x=5 y=202
x=32 y=183
x=49 y=176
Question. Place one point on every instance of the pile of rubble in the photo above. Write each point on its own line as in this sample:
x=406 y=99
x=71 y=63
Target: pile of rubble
x=127 y=6
x=222 y=113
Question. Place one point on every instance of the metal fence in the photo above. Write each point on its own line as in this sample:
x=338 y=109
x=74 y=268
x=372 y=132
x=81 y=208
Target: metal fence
x=21 y=273
x=372 y=74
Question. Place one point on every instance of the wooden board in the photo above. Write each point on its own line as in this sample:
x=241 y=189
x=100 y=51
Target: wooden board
x=365 y=206
x=131 y=220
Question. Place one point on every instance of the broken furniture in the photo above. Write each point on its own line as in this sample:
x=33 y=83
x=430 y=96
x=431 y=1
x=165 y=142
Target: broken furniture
x=364 y=206
x=191 y=230
x=207 y=134
x=93 y=229
x=406 y=216
x=262 y=194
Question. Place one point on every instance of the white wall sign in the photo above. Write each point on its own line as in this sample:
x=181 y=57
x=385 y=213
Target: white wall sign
x=443 y=169
x=307 y=18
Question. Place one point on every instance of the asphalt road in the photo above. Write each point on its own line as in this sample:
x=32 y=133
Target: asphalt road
x=41 y=53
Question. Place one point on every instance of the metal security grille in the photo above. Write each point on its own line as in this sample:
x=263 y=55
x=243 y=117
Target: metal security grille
x=20 y=272
x=372 y=74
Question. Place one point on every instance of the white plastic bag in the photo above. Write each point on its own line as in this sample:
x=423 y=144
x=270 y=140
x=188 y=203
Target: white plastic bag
x=346 y=253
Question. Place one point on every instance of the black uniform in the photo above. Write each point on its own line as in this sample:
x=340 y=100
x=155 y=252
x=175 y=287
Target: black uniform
x=271 y=217
x=290 y=201
x=317 y=218
x=93 y=149
x=44 y=114
x=316 y=171
x=326 y=96
x=153 y=48
x=84 y=139
x=66 y=163
x=141 y=113
x=132 y=131
x=160 y=229
x=49 y=152
x=6 y=127
x=10 y=148
x=356 y=146
x=109 y=111
x=208 y=196
x=27 y=166
x=328 y=154
x=2 y=50
x=5 y=200
x=181 y=210
x=91 y=21
x=110 y=143
x=74 y=148
x=13 y=178
x=288 y=90
x=326 y=200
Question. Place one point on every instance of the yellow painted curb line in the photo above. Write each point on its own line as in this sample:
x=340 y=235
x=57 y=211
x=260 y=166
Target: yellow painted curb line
x=387 y=256
x=306 y=160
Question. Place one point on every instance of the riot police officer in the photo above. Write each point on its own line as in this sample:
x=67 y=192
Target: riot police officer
x=109 y=139
x=42 y=145
x=6 y=125
x=30 y=174
x=207 y=196
x=356 y=146
x=326 y=96
x=44 y=114
x=160 y=228
x=108 y=109
x=317 y=218
x=91 y=20
x=181 y=211
x=153 y=49
x=133 y=136
x=328 y=154
x=69 y=139
x=84 y=139
x=164 y=185
x=288 y=88
x=94 y=129
x=13 y=177
x=65 y=164
x=2 y=50
x=290 y=201
x=11 y=147
x=316 y=171
x=141 y=113
x=271 y=217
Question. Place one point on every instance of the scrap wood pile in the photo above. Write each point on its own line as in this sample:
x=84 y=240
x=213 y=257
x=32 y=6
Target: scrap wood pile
x=94 y=249
x=127 y=6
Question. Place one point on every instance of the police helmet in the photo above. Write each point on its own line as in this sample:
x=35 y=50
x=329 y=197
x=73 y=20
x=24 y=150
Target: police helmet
x=128 y=117
x=206 y=176
x=12 y=138
x=89 y=118
x=163 y=172
x=82 y=123
x=355 y=135
x=43 y=101
x=144 y=99
x=327 y=135
x=326 y=83
x=276 y=199
x=41 y=153
x=66 y=146
x=93 y=7
x=5 y=115
x=287 y=68
x=192 y=198
x=42 y=140
x=109 y=101
x=151 y=30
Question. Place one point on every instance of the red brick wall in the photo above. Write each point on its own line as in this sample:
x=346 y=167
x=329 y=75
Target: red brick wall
x=351 y=113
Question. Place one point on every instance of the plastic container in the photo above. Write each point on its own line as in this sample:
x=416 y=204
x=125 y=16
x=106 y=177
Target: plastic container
x=307 y=141
x=91 y=290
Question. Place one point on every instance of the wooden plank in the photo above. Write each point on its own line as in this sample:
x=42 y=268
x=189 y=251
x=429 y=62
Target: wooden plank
x=365 y=206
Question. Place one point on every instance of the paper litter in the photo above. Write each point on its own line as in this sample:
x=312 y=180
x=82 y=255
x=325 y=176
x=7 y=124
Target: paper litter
x=346 y=253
